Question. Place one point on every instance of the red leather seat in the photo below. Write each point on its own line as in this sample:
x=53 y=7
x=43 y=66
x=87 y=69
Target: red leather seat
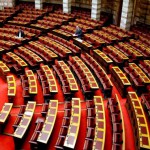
x=33 y=140
x=90 y=104
x=116 y=118
x=91 y=122
x=117 y=138
x=88 y=144
x=117 y=127
x=67 y=113
x=91 y=112
x=60 y=142
x=22 y=110
x=116 y=146
x=66 y=122
x=90 y=133
x=67 y=105
x=63 y=131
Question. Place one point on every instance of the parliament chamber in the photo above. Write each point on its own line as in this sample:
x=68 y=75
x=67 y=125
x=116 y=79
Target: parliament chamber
x=62 y=91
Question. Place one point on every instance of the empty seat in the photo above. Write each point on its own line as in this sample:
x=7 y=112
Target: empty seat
x=60 y=142
x=33 y=140
x=88 y=144
x=91 y=122
x=90 y=104
x=117 y=127
x=90 y=133
x=44 y=109
x=22 y=110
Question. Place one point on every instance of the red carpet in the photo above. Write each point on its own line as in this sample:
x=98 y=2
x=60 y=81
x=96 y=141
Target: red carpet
x=6 y=142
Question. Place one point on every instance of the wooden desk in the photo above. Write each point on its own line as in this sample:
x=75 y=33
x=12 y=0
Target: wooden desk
x=70 y=77
x=41 y=50
x=139 y=72
x=103 y=59
x=83 y=44
x=117 y=52
x=5 y=112
x=131 y=50
x=73 y=129
x=11 y=86
x=50 y=78
x=25 y=121
x=21 y=62
x=89 y=76
x=4 y=70
x=100 y=129
x=49 y=122
x=61 y=33
x=32 y=81
x=140 y=125
x=120 y=80
x=56 y=46
x=30 y=54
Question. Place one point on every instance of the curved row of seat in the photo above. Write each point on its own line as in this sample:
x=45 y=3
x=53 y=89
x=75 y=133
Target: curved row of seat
x=14 y=62
x=96 y=124
x=47 y=80
x=67 y=79
x=117 y=121
x=70 y=125
x=87 y=80
x=137 y=76
x=138 y=120
x=100 y=74
x=32 y=58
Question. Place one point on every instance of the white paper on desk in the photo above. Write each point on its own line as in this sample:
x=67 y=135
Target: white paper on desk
x=79 y=40
x=28 y=113
x=17 y=37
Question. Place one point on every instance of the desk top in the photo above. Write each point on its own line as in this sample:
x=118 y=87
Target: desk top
x=50 y=78
x=32 y=82
x=139 y=71
x=121 y=75
x=73 y=129
x=4 y=67
x=83 y=42
x=142 y=126
x=100 y=129
x=70 y=77
x=30 y=53
x=11 y=85
x=116 y=51
x=89 y=76
x=5 y=112
x=103 y=56
x=15 y=57
x=25 y=121
x=49 y=122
